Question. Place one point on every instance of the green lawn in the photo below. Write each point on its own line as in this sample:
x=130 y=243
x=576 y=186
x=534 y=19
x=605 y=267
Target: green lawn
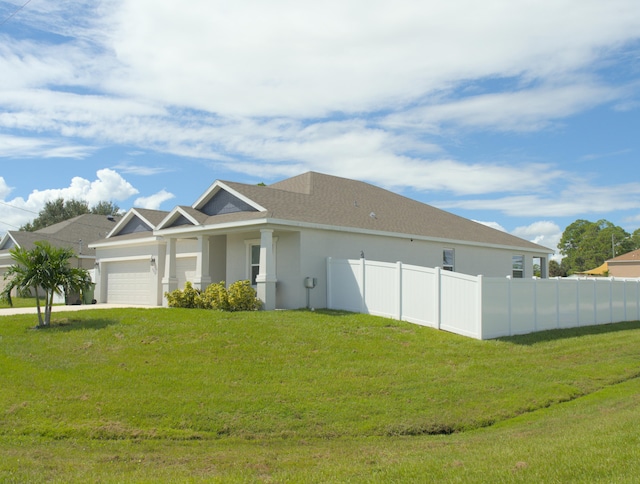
x=22 y=302
x=147 y=395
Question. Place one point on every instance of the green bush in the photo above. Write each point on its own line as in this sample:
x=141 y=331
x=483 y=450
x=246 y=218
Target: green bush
x=239 y=297
x=215 y=296
x=183 y=298
x=242 y=297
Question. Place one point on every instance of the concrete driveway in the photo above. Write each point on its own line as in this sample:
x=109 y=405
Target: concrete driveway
x=59 y=309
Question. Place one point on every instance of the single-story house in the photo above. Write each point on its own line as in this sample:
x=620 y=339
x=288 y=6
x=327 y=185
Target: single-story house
x=75 y=233
x=279 y=237
x=625 y=265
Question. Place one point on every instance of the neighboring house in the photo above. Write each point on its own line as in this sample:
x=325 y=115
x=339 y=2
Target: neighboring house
x=279 y=235
x=625 y=265
x=75 y=233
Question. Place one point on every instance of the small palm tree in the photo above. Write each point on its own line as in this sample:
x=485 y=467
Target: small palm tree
x=44 y=267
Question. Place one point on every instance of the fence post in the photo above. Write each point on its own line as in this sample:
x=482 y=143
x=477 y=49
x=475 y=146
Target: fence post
x=479 y=315
x=509 y=305
x=437 y=296
x=399 y=290
x=363 y=305
x=535 y=304
x=329 y=284
x=557 y=302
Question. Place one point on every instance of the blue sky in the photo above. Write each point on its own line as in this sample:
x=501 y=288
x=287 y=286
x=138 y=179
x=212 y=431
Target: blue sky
x=521 y=115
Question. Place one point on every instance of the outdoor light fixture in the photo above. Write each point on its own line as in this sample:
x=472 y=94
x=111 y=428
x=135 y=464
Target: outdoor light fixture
x=153 y=261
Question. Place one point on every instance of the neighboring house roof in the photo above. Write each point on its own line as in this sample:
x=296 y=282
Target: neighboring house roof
x=320 y=200
x=633 y=256
x=76 y=233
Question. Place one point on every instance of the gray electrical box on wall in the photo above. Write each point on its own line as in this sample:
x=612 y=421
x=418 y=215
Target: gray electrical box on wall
x=310 y=282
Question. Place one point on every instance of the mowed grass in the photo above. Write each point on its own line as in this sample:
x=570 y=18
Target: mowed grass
x=147 y=395
x=22 y=302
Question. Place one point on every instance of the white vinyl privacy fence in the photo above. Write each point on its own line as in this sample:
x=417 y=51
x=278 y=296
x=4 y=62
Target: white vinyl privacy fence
x=476 y=306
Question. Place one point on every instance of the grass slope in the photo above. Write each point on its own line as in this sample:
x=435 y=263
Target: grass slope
x=155 y=394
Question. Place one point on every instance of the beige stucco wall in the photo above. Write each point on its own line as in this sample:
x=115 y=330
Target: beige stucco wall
x=302 y=252
x=624 y=269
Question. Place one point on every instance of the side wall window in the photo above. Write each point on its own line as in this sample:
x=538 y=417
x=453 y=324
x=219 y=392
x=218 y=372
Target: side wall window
x=448 y=259
x=254 y=263
x=517 y=263
x=253 y=258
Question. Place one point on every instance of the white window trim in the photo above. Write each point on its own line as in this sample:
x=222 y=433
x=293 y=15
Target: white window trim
x=248 y=243
x=513 y=270
x=449 y=267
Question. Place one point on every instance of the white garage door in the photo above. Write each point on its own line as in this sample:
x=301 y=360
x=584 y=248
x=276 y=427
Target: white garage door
x=129 y=282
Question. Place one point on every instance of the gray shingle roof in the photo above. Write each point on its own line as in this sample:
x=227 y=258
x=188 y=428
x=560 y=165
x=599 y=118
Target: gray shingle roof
x=329 y=200
x=325 y=200
x=86 y=228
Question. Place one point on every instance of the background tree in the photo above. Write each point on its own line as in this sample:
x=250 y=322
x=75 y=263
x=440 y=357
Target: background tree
x=556 y=269
x=59 y=210
x=44 y=268
x=586 y=245
x=105 y=208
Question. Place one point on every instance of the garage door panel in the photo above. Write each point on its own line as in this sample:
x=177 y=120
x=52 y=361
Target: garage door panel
x=129 y=282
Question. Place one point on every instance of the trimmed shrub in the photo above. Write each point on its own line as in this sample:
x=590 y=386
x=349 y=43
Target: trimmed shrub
x=215 y=296
x=183 y=298
x=242 y=297
x=239 y=297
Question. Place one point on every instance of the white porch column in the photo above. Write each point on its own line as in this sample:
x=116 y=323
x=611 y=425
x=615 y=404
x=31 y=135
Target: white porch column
x=170 y=279
x=266 y=278
x=203 y=276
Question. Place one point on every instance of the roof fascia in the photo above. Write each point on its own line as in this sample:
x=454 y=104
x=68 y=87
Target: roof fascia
x=152 y=239
x=216 y=187
x=173 y=215
x=337 y=228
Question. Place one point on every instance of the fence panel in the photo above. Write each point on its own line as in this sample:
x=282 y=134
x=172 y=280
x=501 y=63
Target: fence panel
x=420 y=300
x=632 y=300
x=495 y=307
x=547 y=309
x=345 y=285
x=478 y=307
x=381 y=284
x=459 y=308
x=602 y=302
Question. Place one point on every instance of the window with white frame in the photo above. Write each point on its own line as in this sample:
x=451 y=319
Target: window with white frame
x=517 y=264
x=448 y=259
x=254 y=262
x=253 y=258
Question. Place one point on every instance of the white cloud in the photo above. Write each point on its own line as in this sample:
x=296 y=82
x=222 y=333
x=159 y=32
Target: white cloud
x=525 y=110
x=154 y=201
x=544 y=232
x=311 y=59
x=108 y=186
x=5 y=189
x=577 y=198
x=141 y=170
x=33 y=147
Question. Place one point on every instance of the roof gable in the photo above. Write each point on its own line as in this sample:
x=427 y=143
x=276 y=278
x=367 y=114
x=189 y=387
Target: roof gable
x=137 y=221
x=225 y=202
x=7 y=242
x=181 y=216
x=221 y=199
